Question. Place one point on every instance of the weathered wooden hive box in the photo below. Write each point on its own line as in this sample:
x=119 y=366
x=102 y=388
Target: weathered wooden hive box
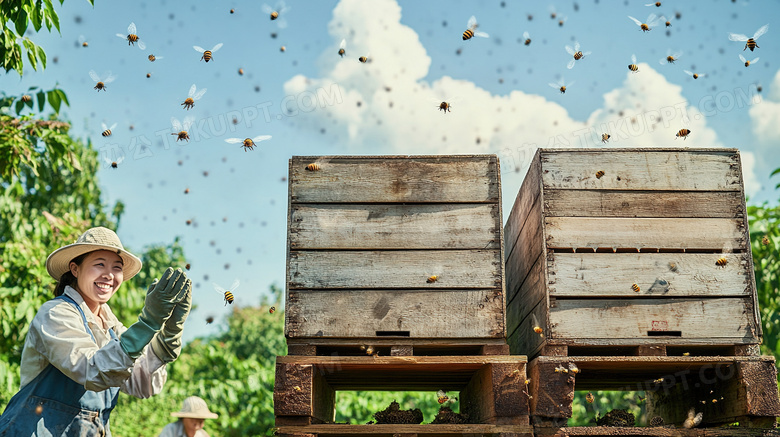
x=395 y=247
x=630 y=247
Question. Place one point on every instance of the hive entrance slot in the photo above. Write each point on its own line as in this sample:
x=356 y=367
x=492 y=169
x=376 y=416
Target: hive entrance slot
x=392 y=333
x=664 y=333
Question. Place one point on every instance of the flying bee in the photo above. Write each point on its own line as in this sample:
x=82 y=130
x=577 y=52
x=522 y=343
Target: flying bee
x=227 y=294
x=26 y=98
x=575 y=53
x=433 y=278
x=670 y=57
x=636 y=288
x=658 y=381
x=192 y=96
x=652 y=21
x=573 y=368
x=209 y=320
x=694 y=75
x=561 y=369
x=277 y=13
x=526 y=38
x=153 y=58
x=750 y=43
x=444 y=106
x=765 y=240
x=100 y=84
x=668 y=23
x=369 y=350
x=553 y=13
x=364 y=59
x=537 y=327
x=605 y=137
x=561 y=85
x=683 y=133
x=589 y=397
x=343 y=48
x=131 y=37
x=656 y=4
x=282 y=49
x=113 y=164
x=83 y=41
x=562 y=21
x=632 y=66
x=207 y=54
x=471 y=30
x=271 y=310
x=248 y=143
x=746 y=62
x=693 y=419
x=599 y=174
x=181 y=128
x=107 y=130
x=443 y=398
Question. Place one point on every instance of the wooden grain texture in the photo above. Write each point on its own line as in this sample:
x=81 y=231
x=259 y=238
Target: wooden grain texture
x=656 y=274
x=524 y=340
x=523 y=300
x=386 y=430
x=642 y=169
x=395 y=179
x=302 y=392
x=636 y=203
x=526 y=197
x=419 y=226
x=395 y=269
x=641 y=233
x=552 y=392
x=529 y=247
x=609 y=431
x=495 y=395
x=424 y=313
x=633 y=318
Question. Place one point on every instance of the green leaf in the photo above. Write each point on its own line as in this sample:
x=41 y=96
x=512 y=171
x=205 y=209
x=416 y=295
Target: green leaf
x=35 y=15
x=41 y=56
x=52 y=15
x=62 y=95
x=21 y=21
x=19 y=106
x=774 y=172
x=41 y=100
x=54 y=100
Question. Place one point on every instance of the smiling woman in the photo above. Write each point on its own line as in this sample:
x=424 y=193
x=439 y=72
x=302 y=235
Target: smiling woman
x=77 y=355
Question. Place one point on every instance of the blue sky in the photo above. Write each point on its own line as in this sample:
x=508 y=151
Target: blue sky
x=314 y=102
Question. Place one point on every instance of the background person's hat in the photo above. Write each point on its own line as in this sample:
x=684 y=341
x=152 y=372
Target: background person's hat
x=195 y=408
x=98 y=238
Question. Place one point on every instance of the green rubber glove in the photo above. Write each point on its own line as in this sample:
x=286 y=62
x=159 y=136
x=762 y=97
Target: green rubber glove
x=161 y=298
x=167 y=343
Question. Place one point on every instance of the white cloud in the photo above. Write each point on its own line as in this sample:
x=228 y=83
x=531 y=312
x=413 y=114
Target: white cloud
x=765 y=114
x=749 y=178
x=387 y=107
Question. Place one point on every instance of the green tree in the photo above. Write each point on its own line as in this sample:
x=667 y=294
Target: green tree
x=15 y=19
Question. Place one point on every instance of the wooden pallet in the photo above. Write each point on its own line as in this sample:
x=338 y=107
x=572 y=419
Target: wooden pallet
x=658 y=431
x=492 y=390
x=744 y=389
x=393 y=346
x=618 y=350
x=407 y=430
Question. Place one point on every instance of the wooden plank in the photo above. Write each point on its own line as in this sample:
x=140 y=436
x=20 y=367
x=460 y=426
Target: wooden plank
x=613 y=203
x=656 y=274
x=423 y=313
x=642 y=169
x=632 y=319
x=658 y=431
x=418 y=226
x=396 y=179
x=529 y=248
x=531 y=292
x=395 y=269
x=524 y=340
x=526 y=197
x=301 y=392
x=552 y=392
x=389 y=430
x=641 y=233
x=494 y=395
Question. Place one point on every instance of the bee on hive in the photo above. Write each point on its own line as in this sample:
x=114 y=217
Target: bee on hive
x=673 y=267
x=652 y=21
x=746 y=62
x=599 y=174
x=100 y=84
x=471 y=30
x=248 y=143
x=750 y=43
x=192 y=96
x=576 y=54
x=207 y=54
x=721 y=262
x=635 y=287
x=227 y=294
x=107 y=130
x=131 y=37
x=315 y=166
x=561 y=369
x=432 y=279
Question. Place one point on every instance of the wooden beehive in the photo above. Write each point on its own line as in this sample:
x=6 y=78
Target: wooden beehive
x=367 y=233
x=579 y=244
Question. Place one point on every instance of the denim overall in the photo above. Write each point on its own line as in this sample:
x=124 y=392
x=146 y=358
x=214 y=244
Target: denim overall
x=52 y=404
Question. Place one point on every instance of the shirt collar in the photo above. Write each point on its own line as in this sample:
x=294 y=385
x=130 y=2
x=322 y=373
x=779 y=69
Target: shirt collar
x=105 y=312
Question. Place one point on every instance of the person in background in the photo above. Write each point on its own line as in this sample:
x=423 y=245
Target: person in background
x=77 y=355
x=192 y=416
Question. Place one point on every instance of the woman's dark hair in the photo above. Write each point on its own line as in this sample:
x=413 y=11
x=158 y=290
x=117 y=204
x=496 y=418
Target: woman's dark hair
x=67 y=278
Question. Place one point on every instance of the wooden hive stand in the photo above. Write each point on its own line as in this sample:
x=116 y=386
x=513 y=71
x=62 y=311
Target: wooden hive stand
x=492 y=393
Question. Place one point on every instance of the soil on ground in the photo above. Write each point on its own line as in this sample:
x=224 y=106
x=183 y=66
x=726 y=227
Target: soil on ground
x=394 y=414
x=617 y=418
x=446 y=415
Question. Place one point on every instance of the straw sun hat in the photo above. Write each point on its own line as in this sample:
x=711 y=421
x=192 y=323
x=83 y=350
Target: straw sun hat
x=99 y=238
x=195 y=408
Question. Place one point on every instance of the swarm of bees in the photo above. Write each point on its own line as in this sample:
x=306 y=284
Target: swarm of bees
x=433 y=278
x=576 y=54
x=131 y=37
x=471 y=30
x=248 y=143
x=442 y=397
x=207 y=54
x=227 y=294
x=750 y=43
